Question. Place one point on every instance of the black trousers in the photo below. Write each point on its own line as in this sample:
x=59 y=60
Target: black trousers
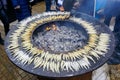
x=117 y=24
x=4 y=20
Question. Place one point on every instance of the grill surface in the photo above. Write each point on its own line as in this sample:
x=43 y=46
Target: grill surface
x=49 y=33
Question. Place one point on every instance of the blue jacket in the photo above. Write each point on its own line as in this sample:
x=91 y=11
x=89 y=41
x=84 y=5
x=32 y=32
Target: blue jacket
x=24 y=10
x=112 y=8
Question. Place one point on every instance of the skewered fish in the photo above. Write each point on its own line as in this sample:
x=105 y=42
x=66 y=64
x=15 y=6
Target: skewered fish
x=24 y=51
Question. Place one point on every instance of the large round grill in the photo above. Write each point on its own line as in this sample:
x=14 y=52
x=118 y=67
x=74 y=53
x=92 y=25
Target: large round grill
x=55 y=44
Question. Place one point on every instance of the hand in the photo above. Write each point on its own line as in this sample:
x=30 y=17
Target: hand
x=53 y=7
x=17 y=7
x=62 y=8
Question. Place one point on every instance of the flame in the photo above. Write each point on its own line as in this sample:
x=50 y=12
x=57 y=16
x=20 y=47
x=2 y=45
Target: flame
x=52 y=27
x=48 y=28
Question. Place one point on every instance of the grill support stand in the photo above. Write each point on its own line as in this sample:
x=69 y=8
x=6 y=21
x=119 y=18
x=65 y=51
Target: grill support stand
x=87 y=76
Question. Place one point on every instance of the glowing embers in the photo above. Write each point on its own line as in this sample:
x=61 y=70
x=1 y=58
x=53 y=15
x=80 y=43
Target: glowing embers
x=51 y=27
x=21 y=43
x=67 y=37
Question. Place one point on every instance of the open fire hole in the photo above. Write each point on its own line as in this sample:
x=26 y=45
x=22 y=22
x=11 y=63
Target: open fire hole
x=60 y=36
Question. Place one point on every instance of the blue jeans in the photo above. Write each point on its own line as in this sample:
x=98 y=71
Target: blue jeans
x=48 y=4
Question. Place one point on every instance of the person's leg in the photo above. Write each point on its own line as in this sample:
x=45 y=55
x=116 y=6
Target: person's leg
x=107 y=20
x=1 y=40
x=48 y=4
x=5 y=21
x=117 y=24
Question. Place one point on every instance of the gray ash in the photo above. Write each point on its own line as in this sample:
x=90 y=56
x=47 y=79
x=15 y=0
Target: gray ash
x=60 y=37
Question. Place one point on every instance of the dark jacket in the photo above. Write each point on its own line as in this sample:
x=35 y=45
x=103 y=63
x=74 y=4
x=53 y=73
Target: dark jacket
x=24 y=10
x=113 y=9
x=86 y=6
x=68 y=4
x=2 y=3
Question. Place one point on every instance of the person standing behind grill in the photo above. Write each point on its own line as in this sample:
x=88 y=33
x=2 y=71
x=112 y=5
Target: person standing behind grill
x=3 y=15
x=22 y=9
x=84 y=6
x=54 y=5
x=112 y=9
x=57 y=5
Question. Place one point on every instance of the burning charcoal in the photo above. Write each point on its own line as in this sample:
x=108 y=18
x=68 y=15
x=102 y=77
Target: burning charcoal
x=57 y=45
